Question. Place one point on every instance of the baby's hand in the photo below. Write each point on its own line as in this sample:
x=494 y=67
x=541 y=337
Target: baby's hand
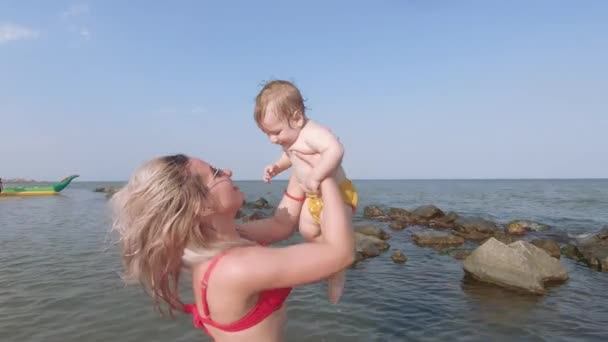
x=269 y=172
x=311 y=185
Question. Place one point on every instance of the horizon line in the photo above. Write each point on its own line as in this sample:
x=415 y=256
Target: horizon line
x=353 y=179
x=404 y=179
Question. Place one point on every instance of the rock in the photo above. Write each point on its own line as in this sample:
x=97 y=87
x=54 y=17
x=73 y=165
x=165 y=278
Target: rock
x=369 y=246
x=549 y=246
x=460 y=254
x=398 y=257
x=450 y=217
x=595 y=250
x=109 y=191
x=373 y=231
x=260 y=203
x=239 y=214
x=398 y=225
x=399 y=214
x=372 y=211
x=602 y=235
x=596 y=257
x=474 y=228
x=428 y=212
x=520 y=227
x=257 y=215
x=358 y=258
x=572 y=252
x=434 y=238
x=441 y=223
x=503 y=237
x=519 y=265
x=444 y=222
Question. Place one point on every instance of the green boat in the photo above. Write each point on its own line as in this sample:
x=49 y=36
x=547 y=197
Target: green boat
x=39 y=190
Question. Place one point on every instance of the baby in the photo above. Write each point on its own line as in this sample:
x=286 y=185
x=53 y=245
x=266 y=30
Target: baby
x=280 y=113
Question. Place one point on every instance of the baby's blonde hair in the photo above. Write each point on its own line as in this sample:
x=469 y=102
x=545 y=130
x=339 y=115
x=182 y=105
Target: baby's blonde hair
x=158 y=216
x=283 y=97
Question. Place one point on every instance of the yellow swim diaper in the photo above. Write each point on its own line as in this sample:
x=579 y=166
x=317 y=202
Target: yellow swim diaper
x=349 y=195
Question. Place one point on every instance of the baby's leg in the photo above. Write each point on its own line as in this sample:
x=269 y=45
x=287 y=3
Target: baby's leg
x=335 y=283
x=309 y=229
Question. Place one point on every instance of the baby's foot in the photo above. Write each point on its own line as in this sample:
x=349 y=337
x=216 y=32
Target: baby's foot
x=335 y=286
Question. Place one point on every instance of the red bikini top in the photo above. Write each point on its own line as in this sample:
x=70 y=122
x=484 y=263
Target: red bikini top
x=268 y=302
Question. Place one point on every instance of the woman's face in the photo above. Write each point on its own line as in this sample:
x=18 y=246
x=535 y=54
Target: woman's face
x=227 y=197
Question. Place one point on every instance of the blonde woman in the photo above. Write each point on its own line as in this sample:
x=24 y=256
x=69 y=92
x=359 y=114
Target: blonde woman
x=177 y=213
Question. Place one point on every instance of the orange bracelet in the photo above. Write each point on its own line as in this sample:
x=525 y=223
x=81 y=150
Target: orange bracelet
x=295 y=198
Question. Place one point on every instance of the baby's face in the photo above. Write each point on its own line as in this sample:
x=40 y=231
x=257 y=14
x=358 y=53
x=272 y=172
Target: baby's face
x=279 y=131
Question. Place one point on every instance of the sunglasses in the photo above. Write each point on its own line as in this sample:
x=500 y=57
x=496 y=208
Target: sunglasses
x=216 y=173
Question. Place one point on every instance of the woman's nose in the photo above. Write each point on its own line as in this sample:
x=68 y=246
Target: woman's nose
x=273 y=139
x=228 y=172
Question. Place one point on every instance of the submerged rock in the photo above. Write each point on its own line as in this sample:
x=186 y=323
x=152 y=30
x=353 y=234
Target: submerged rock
x=444 y=222
x=572 y=252
x=257 y=215
x=459 y=253
x=594 y=250
x=372 y=211
x=260 y=203
x=399 y=214
x=519 y=265
x=428 y=212
x=109 y=190
x=549 y=246
x=398 y=225
x=369 y=246
x=504 y=238
x=520 y=227
x=474 y=228
x=434 y=238
x=373 y=231
x=398 y=257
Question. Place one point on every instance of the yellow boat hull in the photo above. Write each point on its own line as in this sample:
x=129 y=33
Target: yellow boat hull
x=29 y=193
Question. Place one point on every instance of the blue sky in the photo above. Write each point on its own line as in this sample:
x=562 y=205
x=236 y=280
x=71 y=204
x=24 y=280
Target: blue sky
x=414 y=89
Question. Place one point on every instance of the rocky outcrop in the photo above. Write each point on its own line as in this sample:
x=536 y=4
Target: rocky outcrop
x=519 y=265
x=373 y=231
x=369 y=246
x=373 y=211
x=520 y=227
x=436 y=239
x=260 y=203
x=549 y=246
x=428 y=212
x=474 y=228
x=594 y=250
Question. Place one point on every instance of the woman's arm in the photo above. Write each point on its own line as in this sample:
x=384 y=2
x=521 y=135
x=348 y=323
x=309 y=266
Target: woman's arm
x=284 y=221
x=302 y=263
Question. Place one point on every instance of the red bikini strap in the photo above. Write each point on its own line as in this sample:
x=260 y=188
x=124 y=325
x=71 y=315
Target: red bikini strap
x=205 y=282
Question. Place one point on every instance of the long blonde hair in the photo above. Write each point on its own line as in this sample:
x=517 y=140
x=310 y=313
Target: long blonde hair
x=158 y=216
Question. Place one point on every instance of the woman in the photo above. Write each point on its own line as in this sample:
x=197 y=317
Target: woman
x=178 y=212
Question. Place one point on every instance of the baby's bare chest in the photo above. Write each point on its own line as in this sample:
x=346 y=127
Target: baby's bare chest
x=300 y=167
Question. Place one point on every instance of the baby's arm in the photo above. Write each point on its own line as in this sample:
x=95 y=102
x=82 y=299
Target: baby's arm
x=284 y=221
x=283 y=163
x=324 y=142
x=277 y=167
